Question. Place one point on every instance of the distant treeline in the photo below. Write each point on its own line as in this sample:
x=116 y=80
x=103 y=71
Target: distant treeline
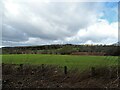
x=64 y=49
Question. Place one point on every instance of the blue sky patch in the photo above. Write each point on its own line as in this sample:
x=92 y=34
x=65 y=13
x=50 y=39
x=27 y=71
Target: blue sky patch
x=110 y=12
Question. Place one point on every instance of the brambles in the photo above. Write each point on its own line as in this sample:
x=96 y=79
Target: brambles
x=54 y=77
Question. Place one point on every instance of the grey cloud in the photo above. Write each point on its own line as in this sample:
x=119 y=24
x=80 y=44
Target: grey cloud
x=12 y=34
x=47 y=22
x=50 y=21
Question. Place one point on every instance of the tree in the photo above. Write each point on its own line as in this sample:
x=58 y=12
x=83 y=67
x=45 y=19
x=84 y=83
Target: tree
x=66 y=50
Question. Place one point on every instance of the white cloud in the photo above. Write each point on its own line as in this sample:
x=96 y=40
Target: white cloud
x=35 y=23
x=102 y=32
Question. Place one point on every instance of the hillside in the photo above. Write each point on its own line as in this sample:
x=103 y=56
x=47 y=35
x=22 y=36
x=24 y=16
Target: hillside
x=64 y=49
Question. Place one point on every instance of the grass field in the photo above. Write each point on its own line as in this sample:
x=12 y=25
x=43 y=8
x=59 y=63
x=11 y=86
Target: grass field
x=81 y=62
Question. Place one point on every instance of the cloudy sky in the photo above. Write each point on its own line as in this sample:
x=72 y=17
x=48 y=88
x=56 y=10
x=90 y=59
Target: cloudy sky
x=37 y=23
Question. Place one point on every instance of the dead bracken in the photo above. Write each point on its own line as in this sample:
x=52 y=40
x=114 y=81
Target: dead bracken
x=33 y=76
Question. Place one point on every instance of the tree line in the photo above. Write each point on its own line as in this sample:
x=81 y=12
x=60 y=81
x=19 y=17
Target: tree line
x=63 y=49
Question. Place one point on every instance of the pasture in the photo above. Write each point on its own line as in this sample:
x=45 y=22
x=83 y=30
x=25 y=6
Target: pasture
x=71 y=61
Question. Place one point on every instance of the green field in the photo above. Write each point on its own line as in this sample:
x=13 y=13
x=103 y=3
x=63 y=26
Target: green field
x=81 y=62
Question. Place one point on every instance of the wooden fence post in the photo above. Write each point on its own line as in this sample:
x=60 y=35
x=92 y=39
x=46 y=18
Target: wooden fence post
x=42 y=67
x=21 y=68
x=92 y=71
x=110 y=72
x=65 y=70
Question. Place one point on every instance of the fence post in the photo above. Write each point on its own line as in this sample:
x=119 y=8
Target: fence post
x=42 y=67
x=65 y=70
x=21 y=68
x=110 y=72
x=92 y=71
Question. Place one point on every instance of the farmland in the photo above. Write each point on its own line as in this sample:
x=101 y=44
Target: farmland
x=71 y=61
x=33 y=74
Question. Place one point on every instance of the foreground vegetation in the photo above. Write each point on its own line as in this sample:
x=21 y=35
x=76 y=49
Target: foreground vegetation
x=51 y=76
x=71 y=61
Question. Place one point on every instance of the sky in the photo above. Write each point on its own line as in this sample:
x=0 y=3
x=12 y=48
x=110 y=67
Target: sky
x=26 y=23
